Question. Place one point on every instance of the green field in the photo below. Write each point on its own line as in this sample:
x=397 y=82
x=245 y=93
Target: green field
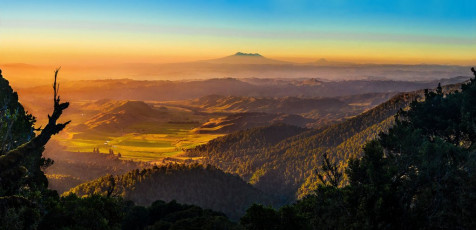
x=155 y=143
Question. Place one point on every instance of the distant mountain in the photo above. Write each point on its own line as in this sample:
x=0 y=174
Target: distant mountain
x=204 y=186
x=246 y=59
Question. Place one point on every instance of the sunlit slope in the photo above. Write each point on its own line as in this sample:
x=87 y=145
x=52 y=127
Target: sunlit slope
x=123 y=116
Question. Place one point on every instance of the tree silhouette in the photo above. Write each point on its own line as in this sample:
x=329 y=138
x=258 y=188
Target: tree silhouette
x=20 y=168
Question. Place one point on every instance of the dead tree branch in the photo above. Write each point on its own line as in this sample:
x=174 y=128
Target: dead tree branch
x=13 y=157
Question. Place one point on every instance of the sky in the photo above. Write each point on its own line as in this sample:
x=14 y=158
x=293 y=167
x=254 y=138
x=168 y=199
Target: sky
x=109 y=32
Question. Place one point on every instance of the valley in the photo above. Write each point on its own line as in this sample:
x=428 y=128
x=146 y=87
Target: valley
x=272 y=143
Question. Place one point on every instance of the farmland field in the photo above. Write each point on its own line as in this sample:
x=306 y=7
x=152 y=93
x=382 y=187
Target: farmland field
x=143 y=147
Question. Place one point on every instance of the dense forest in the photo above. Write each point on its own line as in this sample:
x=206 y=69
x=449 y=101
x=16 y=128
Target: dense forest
x=281 y=158
x=416 y=171
x=204 y=186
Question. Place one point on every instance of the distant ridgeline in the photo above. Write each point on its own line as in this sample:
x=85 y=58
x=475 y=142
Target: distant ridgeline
x=282 y=159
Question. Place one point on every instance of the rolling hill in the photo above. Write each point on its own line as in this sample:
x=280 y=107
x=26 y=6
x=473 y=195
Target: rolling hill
x=123 y=115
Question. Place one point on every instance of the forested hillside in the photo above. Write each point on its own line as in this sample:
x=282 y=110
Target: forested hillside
x=204 y=186
x=287 y=166
x=418 y=175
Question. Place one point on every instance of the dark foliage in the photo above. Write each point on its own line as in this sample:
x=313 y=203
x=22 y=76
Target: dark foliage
x=258 y=217
x=16 y=125
x=100 y=212
x=196 y=184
